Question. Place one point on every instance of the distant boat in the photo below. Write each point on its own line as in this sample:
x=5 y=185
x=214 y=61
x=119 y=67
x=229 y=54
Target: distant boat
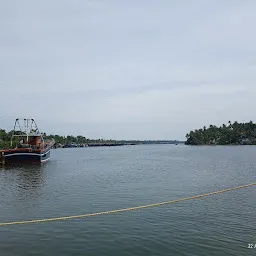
x=72 y=145
x=30 y=144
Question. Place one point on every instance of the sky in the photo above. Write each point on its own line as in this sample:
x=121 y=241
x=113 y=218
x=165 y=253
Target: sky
x=138 y=69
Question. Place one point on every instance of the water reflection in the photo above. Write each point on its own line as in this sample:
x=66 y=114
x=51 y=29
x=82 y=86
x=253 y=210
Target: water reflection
x=27 y=180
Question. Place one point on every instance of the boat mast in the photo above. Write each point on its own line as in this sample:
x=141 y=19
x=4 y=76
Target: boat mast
x=37 y=130
x=29 y=127
x=13 y=132
x=26 y=127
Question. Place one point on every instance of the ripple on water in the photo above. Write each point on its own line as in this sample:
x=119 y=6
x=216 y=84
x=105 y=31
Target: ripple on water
x=78 y=181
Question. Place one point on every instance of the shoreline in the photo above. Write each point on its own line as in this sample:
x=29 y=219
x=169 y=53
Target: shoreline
x=113 y=144
x=219 y=145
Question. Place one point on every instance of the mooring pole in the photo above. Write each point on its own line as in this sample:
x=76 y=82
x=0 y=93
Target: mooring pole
x=2 y=158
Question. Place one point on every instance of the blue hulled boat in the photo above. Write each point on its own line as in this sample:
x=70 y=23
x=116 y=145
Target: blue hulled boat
x=30 y=144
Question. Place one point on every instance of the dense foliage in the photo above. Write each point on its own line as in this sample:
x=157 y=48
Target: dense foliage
x=5 y=138
x=233 y=133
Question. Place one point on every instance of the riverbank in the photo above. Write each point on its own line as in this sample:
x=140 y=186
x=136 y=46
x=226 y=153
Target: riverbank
x=115 y=144
x=71 y=141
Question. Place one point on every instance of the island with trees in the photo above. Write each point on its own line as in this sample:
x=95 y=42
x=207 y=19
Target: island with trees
x=230 y=134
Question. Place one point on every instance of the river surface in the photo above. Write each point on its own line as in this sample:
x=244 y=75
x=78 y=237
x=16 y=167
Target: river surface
x=88 y=180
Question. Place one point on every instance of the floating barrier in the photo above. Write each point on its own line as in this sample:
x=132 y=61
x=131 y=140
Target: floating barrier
x=126 y=209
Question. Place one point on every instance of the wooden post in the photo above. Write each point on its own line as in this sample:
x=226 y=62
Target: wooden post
x=2 y=158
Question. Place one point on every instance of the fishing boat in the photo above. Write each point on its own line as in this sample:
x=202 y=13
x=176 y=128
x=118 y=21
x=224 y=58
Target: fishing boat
x=27 y=144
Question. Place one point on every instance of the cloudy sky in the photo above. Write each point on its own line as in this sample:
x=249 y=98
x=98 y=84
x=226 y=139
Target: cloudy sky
x=137 y=69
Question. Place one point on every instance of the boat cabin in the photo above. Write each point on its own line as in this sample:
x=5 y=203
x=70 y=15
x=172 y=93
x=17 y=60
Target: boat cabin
x=33 y=141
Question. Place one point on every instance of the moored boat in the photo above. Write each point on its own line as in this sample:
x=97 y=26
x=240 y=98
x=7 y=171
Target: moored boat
x=29 y=144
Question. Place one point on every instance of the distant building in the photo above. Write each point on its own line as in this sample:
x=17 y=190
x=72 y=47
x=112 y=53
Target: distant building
x=245 y=141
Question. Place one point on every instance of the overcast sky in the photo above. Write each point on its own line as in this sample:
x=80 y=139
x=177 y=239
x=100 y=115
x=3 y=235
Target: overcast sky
x=136 y=69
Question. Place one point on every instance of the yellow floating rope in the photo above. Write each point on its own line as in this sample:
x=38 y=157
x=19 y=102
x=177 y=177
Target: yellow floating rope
x=125 y=209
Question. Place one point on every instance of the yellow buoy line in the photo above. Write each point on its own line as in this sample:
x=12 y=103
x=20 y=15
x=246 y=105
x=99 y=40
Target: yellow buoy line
x=126 y=209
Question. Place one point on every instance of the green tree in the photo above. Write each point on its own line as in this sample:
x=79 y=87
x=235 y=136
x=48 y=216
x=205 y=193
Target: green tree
x=235 y=133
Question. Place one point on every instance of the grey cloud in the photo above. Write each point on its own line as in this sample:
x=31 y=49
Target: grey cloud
x=143 y=67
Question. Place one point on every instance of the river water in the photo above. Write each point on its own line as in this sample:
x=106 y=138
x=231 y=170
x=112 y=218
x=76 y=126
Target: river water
x=88 y=180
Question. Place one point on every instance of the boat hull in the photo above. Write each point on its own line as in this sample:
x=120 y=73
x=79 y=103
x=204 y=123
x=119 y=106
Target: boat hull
x=27 y=156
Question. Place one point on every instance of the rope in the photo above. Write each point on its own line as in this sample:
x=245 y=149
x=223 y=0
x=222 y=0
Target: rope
x=126 y=209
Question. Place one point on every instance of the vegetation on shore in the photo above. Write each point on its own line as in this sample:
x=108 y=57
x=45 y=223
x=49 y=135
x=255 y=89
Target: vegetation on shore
x=83 y=140
x=5 y=138
x=233 y=133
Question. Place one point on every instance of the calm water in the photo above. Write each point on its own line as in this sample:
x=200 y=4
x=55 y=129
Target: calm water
x=86 y=180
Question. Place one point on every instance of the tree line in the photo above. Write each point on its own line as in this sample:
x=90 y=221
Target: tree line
x=5 y=139
x=232 y=133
